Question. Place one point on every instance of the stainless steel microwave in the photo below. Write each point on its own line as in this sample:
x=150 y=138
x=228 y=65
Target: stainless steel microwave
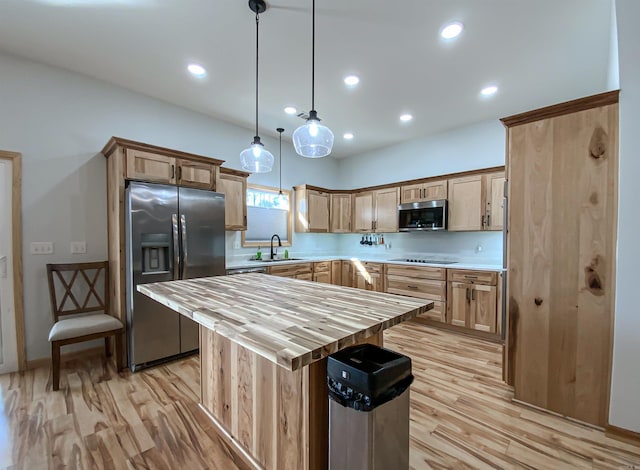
x=425 y=216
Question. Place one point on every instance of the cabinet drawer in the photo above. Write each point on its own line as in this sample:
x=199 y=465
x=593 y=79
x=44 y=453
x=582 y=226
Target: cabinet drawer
x=322 y=266
x=473 y=277
x=423 y=272
x=291 y=270
x=423 y=288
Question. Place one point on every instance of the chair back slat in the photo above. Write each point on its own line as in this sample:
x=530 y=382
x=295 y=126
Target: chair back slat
x=71 y=282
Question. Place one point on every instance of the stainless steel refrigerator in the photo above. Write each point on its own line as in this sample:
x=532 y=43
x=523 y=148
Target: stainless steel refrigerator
x=172 y=233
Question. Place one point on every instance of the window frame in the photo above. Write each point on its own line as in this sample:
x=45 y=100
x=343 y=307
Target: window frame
x=271 y=189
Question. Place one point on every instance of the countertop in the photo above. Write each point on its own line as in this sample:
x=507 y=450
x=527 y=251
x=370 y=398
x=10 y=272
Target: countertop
x=290 y=322
x=457 y=265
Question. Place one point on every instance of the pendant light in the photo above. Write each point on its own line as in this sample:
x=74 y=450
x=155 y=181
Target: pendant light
x=256 y=158
x=280 y=131
x=312 y=139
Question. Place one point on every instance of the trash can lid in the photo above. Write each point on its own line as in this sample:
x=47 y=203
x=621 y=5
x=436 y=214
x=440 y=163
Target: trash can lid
x=368 y=369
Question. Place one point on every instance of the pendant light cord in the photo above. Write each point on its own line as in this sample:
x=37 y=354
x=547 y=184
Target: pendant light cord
x=313 y=54
x=257 y=49
x=280 y=131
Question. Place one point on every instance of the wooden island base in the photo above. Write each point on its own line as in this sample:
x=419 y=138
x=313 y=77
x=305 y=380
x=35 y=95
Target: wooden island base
x=277 y=416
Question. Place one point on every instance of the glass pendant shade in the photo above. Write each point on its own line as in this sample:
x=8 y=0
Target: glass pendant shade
x=256 y=158
x=312 y=139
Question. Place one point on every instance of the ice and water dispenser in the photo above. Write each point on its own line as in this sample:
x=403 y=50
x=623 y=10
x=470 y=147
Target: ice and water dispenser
x=156 y=256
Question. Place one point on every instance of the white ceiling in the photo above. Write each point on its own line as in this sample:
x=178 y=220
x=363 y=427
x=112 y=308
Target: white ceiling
x=539 y=52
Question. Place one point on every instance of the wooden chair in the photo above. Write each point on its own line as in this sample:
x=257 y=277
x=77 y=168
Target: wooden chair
x=76 y=322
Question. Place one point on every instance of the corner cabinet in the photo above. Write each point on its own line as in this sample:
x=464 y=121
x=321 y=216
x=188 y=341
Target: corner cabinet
x=562 y=167
x=340 y=212
x=476 y=202
x=130 y=160
x=312 y=209
x=376 y=211
x=233 y=184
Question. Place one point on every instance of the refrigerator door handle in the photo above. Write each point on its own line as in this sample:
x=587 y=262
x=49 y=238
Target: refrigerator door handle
x=176 y=246
x=183 y=224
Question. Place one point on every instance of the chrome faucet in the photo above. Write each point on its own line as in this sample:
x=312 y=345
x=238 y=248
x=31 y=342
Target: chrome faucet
x=273 y=253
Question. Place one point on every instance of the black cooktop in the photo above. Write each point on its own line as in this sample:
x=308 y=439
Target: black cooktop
x=422 y=260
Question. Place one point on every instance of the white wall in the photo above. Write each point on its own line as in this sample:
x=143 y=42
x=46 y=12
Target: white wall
x=60 y=121
x=468 y=148
x=625 y=384
x=613 y=74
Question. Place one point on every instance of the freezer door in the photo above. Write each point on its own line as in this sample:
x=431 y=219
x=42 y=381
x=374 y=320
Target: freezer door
x=151 y=257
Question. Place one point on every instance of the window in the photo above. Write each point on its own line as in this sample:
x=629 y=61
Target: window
x=267 y=213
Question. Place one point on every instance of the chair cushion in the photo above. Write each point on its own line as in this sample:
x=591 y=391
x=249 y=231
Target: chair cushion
x=84 y=325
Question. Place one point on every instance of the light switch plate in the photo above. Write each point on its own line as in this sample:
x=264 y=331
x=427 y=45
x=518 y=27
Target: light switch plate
x=78 y=248
x=41 y=248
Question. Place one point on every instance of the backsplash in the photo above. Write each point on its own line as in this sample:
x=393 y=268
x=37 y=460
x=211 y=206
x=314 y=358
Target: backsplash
x=476 y=247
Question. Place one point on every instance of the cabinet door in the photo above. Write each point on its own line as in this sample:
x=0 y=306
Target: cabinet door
x=411 y=193
x=483 y=308
x=434 y=191
x=196 y=174
x=336 y=272
x=494 y=186
x=305 y=276
x=458 y=302
x=386 y=204
x=363 y=212
x=318 y=204
x=151 y=167
x=465 y=203
x=368 y=281
x=340 y=213
x=347 y=274
x=377 y=282
x=324 y=277
x=234 y=189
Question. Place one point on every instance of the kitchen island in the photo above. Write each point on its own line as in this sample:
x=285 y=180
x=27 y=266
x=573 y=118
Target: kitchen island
x=263 y=347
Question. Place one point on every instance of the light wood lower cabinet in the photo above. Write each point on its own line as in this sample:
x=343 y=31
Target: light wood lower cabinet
x=336 y=272
x=297 y=270
x=347 y=273
x=425 y=282
x=322 y=272
x=472 y=298
x=368 y=276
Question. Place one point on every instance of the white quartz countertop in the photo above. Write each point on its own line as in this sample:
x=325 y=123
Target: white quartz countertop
x=235 y=264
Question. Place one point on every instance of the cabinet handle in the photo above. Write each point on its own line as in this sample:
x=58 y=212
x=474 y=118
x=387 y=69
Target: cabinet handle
x=245 y=220
x=173 y=171
x=473 y=294
x=488 y=220
x=467 y=276
x=467 y=294
x=412 y=287
x=179 y=173
x=483 y=221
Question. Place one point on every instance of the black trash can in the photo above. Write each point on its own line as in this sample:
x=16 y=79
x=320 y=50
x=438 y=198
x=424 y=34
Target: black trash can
x=368 y=409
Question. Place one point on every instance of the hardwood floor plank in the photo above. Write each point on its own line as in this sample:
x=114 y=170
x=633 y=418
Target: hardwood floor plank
x=462 y=416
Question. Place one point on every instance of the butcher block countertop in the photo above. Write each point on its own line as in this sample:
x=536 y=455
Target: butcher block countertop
x=290 y=322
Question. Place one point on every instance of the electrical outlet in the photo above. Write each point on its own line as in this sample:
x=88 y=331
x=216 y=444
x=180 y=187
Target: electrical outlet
x=478 y=248
x=78 y=248
x=41 y=248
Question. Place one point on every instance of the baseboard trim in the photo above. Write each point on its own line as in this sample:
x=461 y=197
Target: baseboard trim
x=559 y=415
x=621 y=434
x=46 y=361
x=492 y=337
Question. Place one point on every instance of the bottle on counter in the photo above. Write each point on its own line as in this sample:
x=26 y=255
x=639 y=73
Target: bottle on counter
x=259 y=253
x=286 y=254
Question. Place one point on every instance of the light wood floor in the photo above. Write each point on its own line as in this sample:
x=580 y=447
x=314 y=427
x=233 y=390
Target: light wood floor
x=461 y=416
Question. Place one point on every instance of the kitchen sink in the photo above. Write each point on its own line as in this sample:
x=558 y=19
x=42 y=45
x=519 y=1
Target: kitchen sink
x=267 y=260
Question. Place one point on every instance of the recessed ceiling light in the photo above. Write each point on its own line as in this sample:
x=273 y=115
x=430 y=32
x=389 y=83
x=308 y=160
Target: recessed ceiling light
x=351 y=80
x=488 y=91
x=290 y=110
x=197 y=70
x=406 y=117
x=451 y=30
x=348 y=135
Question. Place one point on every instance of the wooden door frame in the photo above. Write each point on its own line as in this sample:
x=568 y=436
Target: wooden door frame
x=16 y=240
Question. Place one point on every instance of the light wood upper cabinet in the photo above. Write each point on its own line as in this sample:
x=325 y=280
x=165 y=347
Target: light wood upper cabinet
x=363 y=215
x=196 y=174
x=147 y=166
x=312 y=210
x=476 y=202
x=494 y=205
x=158 y=168
x=233 y=185
x=465 y=203
x=340 y=213
x=423 y=192
x=386 y=210
x=376 y=211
